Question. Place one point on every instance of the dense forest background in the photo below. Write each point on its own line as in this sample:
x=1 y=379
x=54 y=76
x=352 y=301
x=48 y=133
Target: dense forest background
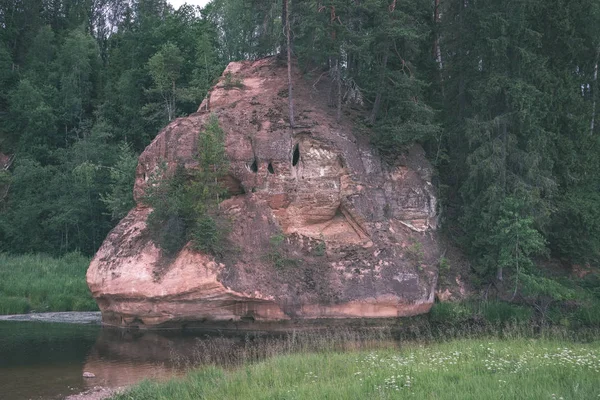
x=502 y=95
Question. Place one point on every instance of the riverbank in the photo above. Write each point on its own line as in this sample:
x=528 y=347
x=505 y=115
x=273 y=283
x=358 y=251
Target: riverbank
x=463 y=369
x=40 y=283
x=73 y=317
x=97 y=393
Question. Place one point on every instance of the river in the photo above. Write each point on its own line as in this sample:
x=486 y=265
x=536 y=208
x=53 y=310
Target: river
x=42 y=360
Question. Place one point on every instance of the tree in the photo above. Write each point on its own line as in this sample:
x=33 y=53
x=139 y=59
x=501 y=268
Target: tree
x=32 y=121
x=165 y=69
x=119 y=198
x=514 y=241
x=78 y=62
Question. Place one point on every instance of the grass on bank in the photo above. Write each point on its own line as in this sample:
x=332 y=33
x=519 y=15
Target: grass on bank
x=40 y=283
x=460 y=369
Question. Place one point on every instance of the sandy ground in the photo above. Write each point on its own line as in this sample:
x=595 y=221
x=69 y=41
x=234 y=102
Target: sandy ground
x=61 y=317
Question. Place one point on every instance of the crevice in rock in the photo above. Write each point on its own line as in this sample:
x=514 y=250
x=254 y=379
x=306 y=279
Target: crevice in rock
x=296 y=155
x=356 y=226
x=270 y=168
x=254 y=166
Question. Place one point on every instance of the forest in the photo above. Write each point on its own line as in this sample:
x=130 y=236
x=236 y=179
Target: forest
x=502 y=95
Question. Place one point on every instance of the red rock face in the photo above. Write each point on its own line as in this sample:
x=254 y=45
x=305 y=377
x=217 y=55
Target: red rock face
x=359 y=234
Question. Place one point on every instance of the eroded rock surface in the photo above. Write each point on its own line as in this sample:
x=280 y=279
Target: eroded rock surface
x=359 y=234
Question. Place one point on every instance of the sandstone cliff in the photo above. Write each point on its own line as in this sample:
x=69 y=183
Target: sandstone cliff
x=361 y=232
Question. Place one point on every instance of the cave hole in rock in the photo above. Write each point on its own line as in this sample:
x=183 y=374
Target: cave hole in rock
x=270 y=168
x=296 y=155
x=254 y=166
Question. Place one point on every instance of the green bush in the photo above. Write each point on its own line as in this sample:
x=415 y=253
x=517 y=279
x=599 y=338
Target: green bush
x=503 y=312
x=575 y=231
x=587 y=315
x=450 y=313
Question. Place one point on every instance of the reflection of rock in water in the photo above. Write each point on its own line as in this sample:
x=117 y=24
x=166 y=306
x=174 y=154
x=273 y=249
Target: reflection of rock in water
x=121 y=358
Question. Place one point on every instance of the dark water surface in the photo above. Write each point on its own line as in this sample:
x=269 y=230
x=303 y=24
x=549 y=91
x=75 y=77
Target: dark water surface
x=41 y=360
x=46 y=360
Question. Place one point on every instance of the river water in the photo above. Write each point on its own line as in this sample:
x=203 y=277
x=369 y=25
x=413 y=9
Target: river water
x=41 y=360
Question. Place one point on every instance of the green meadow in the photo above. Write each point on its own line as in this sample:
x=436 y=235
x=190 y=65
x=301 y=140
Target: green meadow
x=460 y=369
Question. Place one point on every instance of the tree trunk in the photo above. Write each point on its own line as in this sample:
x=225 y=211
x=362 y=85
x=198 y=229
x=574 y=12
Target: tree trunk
x=437 y=50
x=377 y=103
x=284 y=18
x=289 y=61
x=338 y=73
x=504 y=155
x=594 y=92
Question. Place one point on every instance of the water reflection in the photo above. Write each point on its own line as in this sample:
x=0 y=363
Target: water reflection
x=40 y=360
x=121 y=358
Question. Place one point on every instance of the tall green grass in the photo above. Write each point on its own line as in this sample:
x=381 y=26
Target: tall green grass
x=582 y=314
x=39 y=283
x=461 y=369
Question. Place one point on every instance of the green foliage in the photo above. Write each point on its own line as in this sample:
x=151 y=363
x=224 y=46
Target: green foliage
x=209 y=234
x=587 y=315
x=575 y=229
x=78 y=63
x=542 y=287
x=591 y=282
x=185 y=205
x=32 y=120
x=517 y=123
x=165 y=69
x=514 y=239
x=73 y=89
x=253 y=27
x=510 y=242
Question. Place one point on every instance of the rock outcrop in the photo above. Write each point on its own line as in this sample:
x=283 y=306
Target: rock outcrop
x=359 y=234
